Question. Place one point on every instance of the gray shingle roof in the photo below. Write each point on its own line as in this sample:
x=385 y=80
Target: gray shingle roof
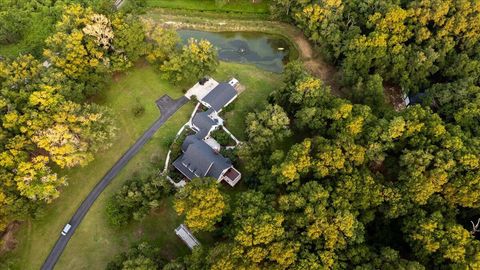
x=203 y=123
x=188 y=140
x=199 y=160
x=186 y=235
x=220 y=96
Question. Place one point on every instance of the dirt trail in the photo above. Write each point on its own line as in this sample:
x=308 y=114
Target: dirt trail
x=314 y=63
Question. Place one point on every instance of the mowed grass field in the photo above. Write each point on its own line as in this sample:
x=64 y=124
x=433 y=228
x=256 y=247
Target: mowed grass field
x=241 y=6
x=141 y=85
x=258 y=86
x=95 y=243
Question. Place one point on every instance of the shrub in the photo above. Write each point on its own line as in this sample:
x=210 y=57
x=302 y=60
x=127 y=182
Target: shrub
x=230 y=154
x=140 y=256
x=138 y=110
x=115 y=213
x=222 y=137
x=136 y=198
x=176 y=146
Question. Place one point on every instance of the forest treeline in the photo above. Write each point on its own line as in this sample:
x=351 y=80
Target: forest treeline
x=416 y=45
x=31 y=22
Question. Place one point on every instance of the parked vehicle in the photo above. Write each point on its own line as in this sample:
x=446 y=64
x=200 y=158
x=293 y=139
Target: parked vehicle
x=66 y=229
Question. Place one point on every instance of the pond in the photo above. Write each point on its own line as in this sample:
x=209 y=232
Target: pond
x=266 y=51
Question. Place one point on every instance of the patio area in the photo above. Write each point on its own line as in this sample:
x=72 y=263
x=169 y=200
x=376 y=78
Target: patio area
x=201 y=89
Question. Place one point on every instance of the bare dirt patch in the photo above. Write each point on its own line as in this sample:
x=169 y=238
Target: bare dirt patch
x=240 y=88
x=117 y=76
x=7 y=241
x=394 y=96
x=138 y=233
x=304 y=46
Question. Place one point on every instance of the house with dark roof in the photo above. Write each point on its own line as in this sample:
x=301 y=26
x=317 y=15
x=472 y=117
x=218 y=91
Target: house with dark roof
x=200 y=160
x=201 y=157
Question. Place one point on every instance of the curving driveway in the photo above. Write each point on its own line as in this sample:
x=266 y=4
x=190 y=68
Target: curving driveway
x=167 y=108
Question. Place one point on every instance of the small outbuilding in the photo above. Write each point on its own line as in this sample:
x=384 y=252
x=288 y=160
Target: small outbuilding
x=187 y=237
x=414 y=99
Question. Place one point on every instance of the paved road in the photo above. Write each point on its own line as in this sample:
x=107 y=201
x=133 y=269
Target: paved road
x=167 y=108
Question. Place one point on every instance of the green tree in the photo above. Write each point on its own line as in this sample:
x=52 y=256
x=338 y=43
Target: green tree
x=140 y=263
x=139 y=257
x=385 y=258
x=323 y=22
x=75 y=51
x=435 y=237
x=259 y=237
x=459 y=103
x=370 y=92
x=137 y=197
x=161 y=42
x=267 y=127
x=197 y=59
x=13 y=26
x=129 y=42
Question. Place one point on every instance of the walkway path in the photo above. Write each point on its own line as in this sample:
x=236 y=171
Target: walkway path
x=167 y=108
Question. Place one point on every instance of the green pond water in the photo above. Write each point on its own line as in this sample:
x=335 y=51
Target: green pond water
x=266 y=51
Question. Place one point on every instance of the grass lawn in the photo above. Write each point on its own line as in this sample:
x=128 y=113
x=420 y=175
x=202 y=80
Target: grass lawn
x=242 y=6
x=95 y=243
x=98 y=243
x=36 y=237
x=259 y=84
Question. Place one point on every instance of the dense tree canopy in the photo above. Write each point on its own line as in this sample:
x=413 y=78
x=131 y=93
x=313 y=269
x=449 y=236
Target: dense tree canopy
x=351 y=189
x=44 y=124
x=41 y=128
x=410 y=43
x=12 y=27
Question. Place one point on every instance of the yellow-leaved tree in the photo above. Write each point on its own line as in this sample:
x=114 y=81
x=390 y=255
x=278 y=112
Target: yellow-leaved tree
x=202 y=203
x=40 y=128
x=81 y=42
